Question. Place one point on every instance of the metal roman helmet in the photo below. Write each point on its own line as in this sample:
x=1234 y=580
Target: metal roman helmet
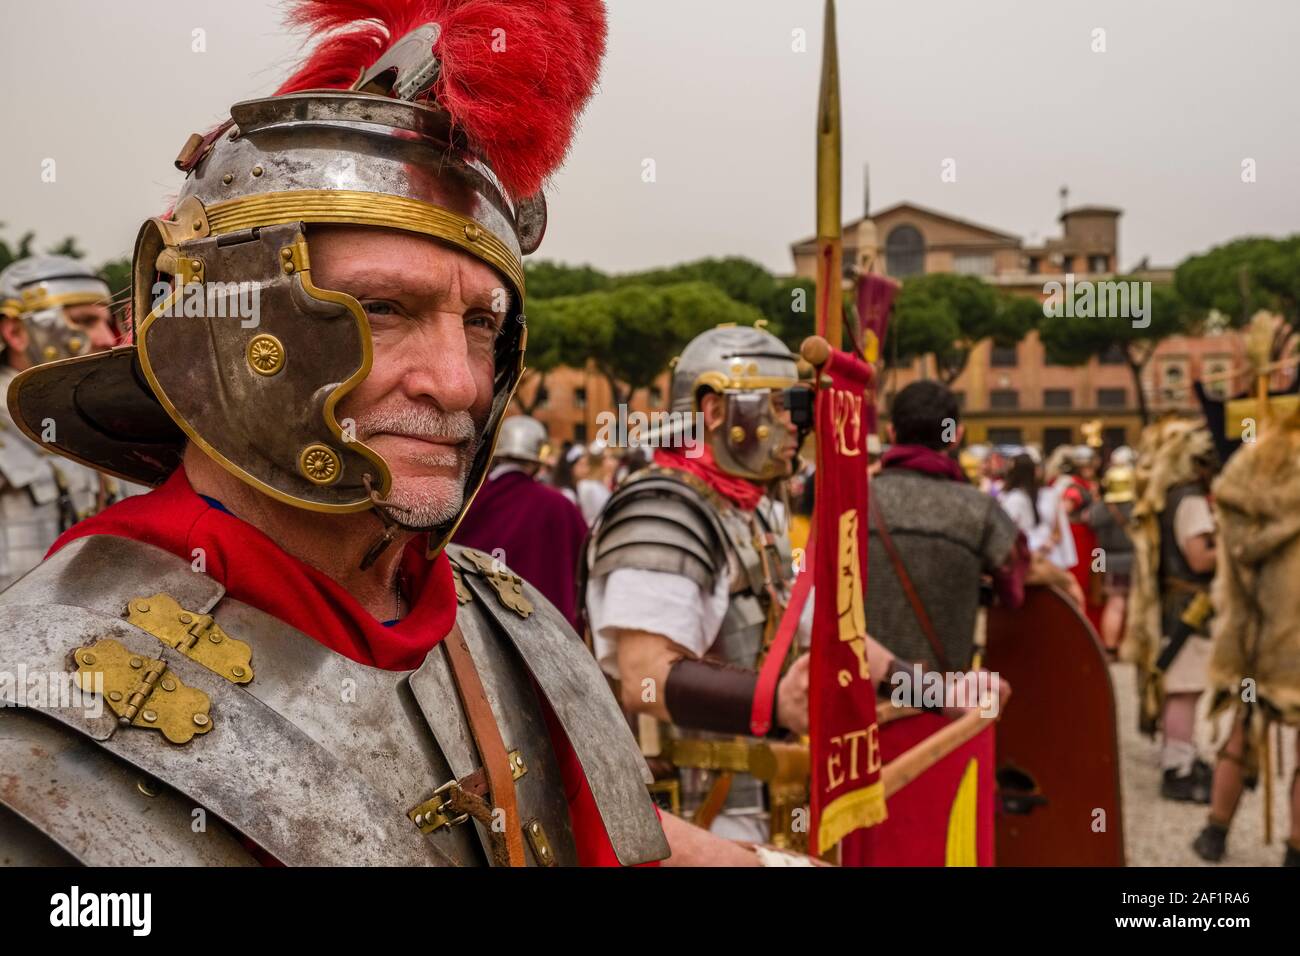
x=758 y=378
x=523 y=438
x=37 y=290
x=433 y=133
x=1119 y=484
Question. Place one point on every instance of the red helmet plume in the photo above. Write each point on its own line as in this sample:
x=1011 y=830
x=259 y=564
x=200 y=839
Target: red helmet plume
x=514 y=75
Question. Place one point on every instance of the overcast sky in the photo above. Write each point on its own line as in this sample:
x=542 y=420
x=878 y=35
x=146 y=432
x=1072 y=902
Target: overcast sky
x=714 y=92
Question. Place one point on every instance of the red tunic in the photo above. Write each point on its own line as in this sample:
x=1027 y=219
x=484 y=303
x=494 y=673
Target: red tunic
x=255 y=570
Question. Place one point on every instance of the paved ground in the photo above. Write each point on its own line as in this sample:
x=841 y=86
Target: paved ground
x=1158 y=832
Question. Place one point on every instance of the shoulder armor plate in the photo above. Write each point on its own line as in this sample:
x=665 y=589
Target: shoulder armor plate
x=572 y=683
x=655 y=522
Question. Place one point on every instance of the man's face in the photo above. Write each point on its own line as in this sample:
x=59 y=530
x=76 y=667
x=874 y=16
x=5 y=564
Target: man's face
x=93 y=323
x=435 y=314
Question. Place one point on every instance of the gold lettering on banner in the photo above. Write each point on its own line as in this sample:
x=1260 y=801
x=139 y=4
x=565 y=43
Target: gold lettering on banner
x=869 y=764
x=846 y=417
x=852 y=612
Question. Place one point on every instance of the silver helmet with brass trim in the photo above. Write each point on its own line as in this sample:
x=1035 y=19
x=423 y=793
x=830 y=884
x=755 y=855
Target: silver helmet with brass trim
x=38 y=291
x=405 y=145
x=523 y=438
x=754 y=373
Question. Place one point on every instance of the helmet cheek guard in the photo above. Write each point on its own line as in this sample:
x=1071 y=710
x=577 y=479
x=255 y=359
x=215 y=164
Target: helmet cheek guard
x=293 y=359
x=752 y=437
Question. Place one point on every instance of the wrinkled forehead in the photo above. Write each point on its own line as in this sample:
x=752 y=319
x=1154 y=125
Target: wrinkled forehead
x=376 y=262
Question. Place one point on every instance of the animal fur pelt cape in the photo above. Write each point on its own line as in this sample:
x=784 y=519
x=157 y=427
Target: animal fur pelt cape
x=1167 y=454
x=1256 y=591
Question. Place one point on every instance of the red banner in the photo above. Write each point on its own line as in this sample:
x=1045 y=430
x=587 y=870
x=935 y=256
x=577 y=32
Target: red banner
x=846 y=792
x=875 y=301
x=945 y=817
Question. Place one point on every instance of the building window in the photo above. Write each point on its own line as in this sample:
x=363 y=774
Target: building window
x=904 y=252
x=579 y=397
x=1099 y=263
x=1113 y=437
x=961 y=398
x=1112 y=397
x=1034 y=265
x=1057 y=398
x=1067 y=263
x=580 y=433
x=1054 y=438
x=972 y=263
x=1114 y=355
x=1003 y=398
x=1005 y=436
x=1002 y=356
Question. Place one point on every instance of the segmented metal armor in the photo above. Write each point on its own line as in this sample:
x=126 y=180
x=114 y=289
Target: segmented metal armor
x=240 y=725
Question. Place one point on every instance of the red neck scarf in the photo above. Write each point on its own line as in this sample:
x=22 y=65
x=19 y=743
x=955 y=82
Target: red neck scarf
x=255 y=570
x=741 y=492
x=925 y=460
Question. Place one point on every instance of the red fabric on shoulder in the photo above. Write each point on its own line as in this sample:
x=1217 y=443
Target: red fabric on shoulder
x=256 y=571
x=740 y=492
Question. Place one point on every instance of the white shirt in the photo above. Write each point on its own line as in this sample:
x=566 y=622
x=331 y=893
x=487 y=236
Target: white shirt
x=592 y=496
x=663 y=603
x=1039 y=533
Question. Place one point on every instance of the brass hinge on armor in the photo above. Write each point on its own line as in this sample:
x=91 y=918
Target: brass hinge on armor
x=142 y=691
x=508 y=585
x=445 y=807
x=463 y=595
x=197 y=636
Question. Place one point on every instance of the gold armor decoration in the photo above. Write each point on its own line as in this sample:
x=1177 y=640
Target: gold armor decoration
x=463 y=595
x=435 y=813
x=852 y=612
x=508 y=585
x=537 y=840
x=143 y=692
x=197 y=636
x=265 y=354
x=319 y=464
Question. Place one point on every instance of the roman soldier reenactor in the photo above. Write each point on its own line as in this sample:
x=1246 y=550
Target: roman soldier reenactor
x=53 y=307
x=689 y=573
x=1166 y=634
x=1255 y=665
x=282 y=635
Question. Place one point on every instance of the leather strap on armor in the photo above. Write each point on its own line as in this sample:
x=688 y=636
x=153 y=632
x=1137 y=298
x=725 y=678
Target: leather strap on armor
x=487 y=737
x=709 y=695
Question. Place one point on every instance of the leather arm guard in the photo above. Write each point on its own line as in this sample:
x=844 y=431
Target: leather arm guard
x=708 y=695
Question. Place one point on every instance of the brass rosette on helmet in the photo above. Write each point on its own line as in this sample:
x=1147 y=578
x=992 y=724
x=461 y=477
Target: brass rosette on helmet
x=756 y=375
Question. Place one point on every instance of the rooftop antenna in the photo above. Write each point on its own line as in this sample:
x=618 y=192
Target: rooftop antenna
x=1065 y=196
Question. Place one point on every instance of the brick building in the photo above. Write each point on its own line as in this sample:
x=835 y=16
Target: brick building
x=1013 y=395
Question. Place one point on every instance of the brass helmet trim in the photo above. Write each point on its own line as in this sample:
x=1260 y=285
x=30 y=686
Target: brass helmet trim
x=355 y=208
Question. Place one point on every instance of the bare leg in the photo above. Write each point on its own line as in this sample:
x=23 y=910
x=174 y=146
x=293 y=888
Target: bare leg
x=1112 y=621
x=1228 y=778
x=1179 y=723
